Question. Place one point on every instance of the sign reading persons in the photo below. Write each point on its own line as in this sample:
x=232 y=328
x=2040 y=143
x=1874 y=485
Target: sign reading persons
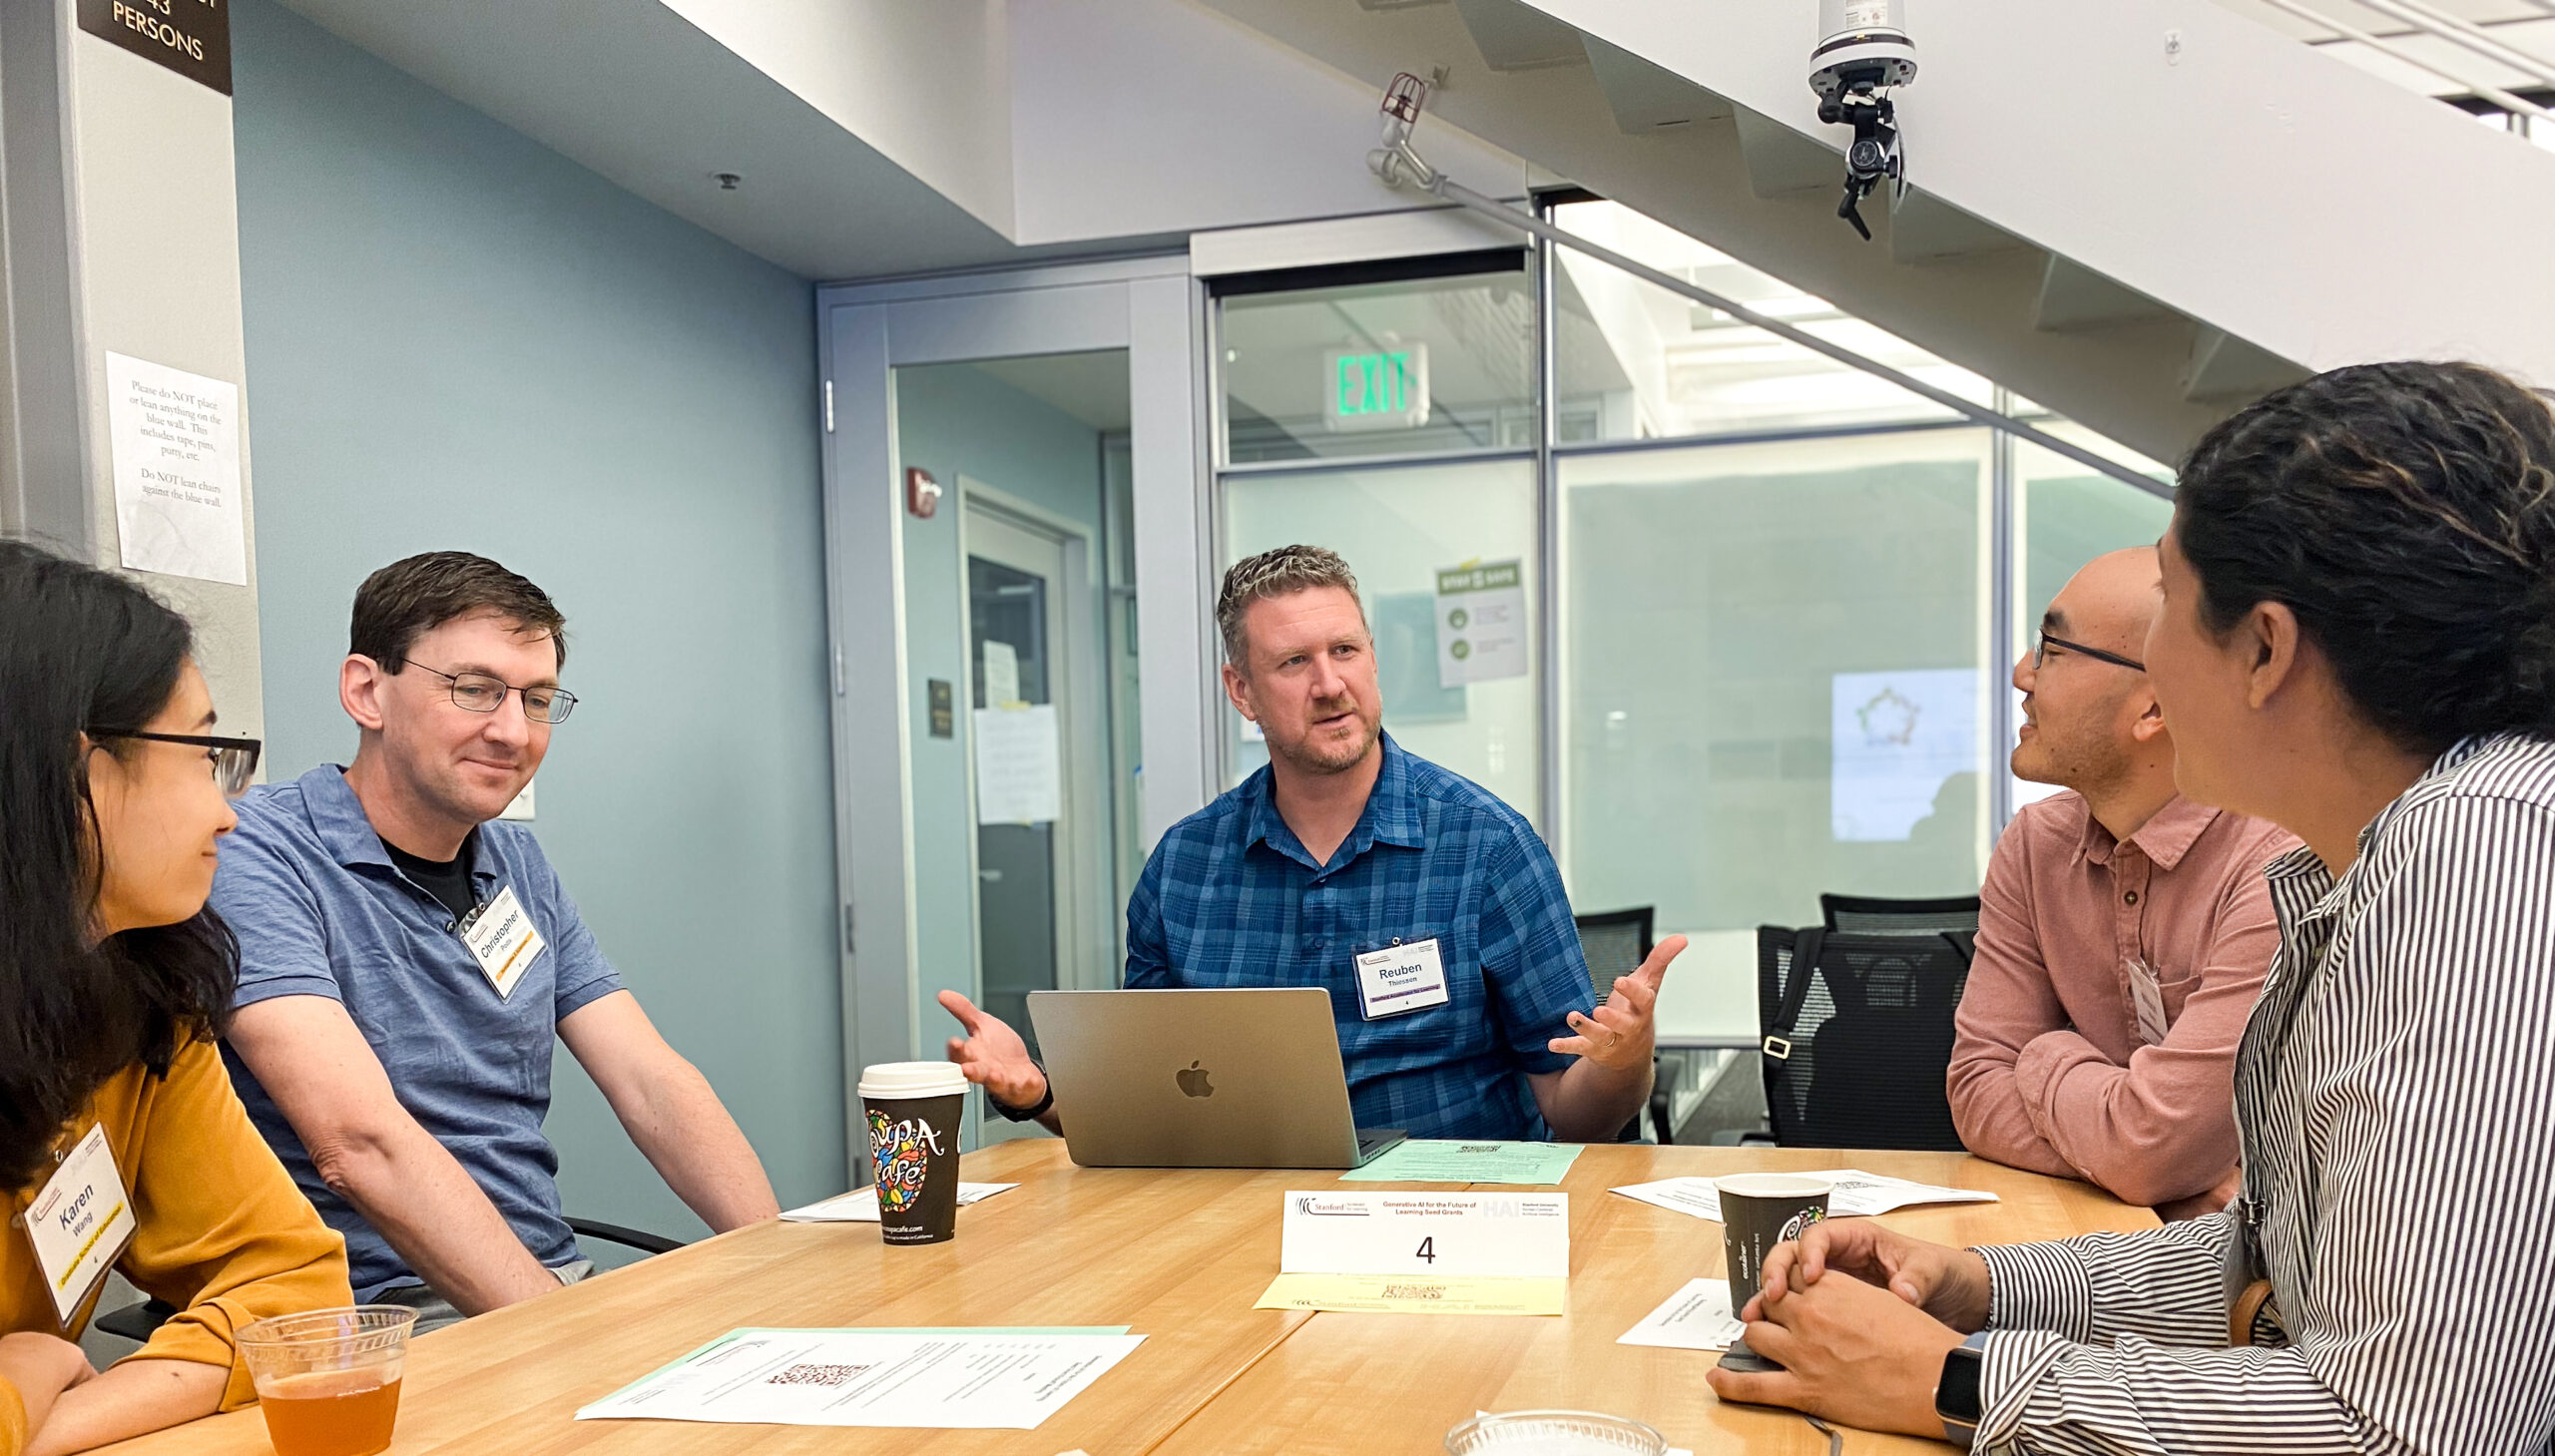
x=189 y=37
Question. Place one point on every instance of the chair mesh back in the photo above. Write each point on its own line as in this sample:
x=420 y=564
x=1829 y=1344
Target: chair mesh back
x=1869 y=1031
x=1865 y=916
x=1615 y=944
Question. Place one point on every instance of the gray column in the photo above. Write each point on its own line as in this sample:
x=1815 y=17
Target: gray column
x=119 y=233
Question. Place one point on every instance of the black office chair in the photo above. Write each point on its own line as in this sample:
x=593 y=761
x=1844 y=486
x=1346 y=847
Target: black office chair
x=138 y=1322
x=1615 y=944
x=1858 y=1036
x=1864 y=915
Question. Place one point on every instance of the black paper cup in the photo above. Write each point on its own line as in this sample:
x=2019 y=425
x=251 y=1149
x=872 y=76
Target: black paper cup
x=1758 y=1212
x=913 y=1111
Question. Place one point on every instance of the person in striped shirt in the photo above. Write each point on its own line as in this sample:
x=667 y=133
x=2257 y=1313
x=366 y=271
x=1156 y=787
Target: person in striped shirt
x=2358 y=643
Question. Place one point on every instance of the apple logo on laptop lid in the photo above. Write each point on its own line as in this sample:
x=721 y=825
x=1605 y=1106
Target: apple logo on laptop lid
x=1194 y=1083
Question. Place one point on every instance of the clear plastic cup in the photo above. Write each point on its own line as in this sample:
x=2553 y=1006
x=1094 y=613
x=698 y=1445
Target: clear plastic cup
x=1554 y=1433
x=328 y=1381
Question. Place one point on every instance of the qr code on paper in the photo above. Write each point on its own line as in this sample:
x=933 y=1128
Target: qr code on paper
x=817 y=1375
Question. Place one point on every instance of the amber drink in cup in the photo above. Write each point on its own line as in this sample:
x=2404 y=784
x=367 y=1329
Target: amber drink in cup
x=328 y=1381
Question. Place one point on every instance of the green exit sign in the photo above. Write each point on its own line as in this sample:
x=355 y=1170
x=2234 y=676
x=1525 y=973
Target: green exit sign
x=1376 y=388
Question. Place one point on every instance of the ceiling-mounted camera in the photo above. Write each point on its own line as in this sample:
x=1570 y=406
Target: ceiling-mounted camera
x=1862 y=53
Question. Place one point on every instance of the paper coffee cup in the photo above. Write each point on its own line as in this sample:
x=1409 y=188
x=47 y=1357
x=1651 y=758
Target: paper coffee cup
x=914 y=1110
x=1758 y=1212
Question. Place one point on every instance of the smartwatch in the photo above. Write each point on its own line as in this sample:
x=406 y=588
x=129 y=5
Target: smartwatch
x=1025 y=1115
x=1956 y=1397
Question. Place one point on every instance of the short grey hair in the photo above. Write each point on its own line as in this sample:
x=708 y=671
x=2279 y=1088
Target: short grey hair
x=1278 y=573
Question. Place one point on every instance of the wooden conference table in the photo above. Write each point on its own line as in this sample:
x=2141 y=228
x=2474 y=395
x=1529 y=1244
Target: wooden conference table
x=1180 y=1255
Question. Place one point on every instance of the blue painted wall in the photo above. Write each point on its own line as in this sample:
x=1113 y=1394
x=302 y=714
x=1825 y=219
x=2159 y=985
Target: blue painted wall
x=458 y=338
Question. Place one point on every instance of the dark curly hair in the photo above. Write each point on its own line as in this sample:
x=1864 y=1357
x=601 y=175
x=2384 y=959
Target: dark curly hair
x=82 y=649
x=2407 y=513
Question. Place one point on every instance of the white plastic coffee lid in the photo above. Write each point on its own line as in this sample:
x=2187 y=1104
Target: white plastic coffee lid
x=912 y=1079
x=1773 y=1185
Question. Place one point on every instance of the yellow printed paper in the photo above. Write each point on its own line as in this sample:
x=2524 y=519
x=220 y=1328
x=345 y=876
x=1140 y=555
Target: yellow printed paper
x=1414 y=1295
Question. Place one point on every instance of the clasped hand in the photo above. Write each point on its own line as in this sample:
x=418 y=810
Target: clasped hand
x=1867 y=1350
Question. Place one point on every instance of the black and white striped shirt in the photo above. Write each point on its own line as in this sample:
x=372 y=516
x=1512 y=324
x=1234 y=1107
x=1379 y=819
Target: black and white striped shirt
x=2397 y=1095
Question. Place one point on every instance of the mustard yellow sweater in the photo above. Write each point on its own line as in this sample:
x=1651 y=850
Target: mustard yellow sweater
x=221 y=1233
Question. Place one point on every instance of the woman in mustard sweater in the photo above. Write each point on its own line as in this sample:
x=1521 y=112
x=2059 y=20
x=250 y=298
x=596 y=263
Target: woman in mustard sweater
x=114 y=981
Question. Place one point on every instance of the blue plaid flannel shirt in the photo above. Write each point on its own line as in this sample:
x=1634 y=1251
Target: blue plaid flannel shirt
x=1231 y=897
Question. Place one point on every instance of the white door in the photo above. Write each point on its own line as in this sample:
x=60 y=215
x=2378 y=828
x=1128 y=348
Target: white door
x=1011 y=468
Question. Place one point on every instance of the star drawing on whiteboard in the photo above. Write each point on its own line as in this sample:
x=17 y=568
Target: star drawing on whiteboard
x=1888 y=719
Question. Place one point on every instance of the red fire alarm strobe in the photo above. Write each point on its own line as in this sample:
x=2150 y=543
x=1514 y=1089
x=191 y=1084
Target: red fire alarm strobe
x=922 y=493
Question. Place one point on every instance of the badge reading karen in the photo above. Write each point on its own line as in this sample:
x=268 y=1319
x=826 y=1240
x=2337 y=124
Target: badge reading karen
x=501 y=938
x=80 y=1222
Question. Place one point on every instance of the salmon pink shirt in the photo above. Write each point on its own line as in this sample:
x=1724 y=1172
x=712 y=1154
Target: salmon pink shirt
x=2052 y=1071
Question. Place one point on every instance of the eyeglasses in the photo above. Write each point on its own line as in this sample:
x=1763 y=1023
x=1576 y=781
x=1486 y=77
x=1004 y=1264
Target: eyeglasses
x=2040 y=654
x=233 y=760
x=479 y=693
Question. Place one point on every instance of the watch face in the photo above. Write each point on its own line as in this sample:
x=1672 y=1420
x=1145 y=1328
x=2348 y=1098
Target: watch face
x=1956 y=1395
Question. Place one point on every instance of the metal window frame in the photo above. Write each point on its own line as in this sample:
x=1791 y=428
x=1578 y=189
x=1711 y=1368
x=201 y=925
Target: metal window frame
x=2005 y=551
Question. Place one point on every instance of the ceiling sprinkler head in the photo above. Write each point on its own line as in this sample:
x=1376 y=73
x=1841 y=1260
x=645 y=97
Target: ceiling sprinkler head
x=727 y=181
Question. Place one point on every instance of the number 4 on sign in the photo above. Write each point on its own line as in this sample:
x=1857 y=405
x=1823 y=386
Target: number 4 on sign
x=1428 y=1249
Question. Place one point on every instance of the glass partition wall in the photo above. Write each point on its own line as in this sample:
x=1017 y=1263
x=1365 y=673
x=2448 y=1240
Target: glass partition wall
x=1731 y=622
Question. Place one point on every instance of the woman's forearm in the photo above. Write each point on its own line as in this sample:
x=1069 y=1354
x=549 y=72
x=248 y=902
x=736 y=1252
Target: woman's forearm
x=134 y=1397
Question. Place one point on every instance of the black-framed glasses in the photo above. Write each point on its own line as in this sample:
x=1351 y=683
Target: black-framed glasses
x=235 y=760
x=479 y=693
x=2040 y=654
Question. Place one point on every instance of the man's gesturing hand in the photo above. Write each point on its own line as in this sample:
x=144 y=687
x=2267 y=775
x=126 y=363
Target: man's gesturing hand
x=993 y=1055
x=1619 y=1036
x=1947 y=1283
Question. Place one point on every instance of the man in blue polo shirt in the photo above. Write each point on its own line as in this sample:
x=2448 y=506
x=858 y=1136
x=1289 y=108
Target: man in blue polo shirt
x=1348 y=845
x=405 y=964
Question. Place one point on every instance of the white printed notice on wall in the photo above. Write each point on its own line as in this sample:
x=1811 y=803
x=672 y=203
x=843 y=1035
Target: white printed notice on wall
x=1019 y=770
x=1002 y=674
x=175 y=443
x=1900 y=740
x=1481 y=622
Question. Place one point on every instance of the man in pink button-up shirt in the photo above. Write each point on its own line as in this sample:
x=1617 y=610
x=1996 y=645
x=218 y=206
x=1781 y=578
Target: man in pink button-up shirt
x=2123 y=930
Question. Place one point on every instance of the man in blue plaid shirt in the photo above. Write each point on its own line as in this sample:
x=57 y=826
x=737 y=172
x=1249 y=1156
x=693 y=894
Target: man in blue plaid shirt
x=1427 y=908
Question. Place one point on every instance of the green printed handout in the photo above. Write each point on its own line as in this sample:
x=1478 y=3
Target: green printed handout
x=1418 y=1161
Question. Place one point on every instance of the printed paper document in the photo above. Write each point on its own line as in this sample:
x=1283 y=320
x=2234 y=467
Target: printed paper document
x=1695 y=1317
x=949 y=1379
x=1857 y=1195
x=1424 y=1161
x=860 y=1205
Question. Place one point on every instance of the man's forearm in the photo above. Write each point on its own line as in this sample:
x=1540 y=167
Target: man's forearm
x=1988 y=1111
x=2143 y=1132
x=134 y=1397
x=698 y=1149
x=438 y=1220
x=1591 y=1102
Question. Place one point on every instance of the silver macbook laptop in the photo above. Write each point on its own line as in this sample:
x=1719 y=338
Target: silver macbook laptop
x=1200 y=1078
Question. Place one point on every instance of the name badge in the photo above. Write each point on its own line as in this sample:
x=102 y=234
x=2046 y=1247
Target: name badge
x=1494 y=1235
x=501 y=938
x=1400 y=979
x=80 y=1222
x=2148 y=994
